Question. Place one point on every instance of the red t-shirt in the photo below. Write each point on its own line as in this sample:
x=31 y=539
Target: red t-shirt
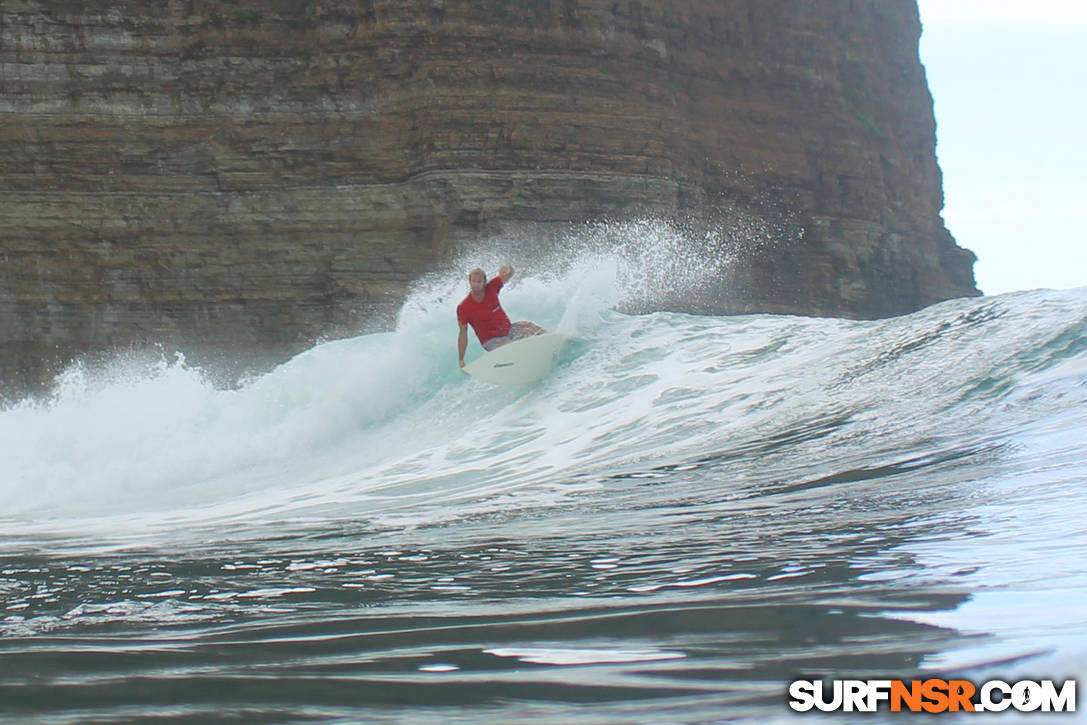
x=487 y=317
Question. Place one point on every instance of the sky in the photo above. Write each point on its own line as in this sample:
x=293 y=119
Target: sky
x=1009 y=87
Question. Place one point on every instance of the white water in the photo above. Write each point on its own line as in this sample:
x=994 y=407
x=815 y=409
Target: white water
x=139 y=439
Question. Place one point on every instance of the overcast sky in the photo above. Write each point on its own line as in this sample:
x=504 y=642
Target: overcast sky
x=1009 y=87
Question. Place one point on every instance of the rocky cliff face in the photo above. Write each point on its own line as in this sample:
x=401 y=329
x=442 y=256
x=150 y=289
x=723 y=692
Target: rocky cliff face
x=218 y=175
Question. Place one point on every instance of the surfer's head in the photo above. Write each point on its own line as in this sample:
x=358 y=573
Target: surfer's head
x=477 y=279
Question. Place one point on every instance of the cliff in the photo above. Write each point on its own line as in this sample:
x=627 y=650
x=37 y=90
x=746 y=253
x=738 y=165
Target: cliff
x=242 y=176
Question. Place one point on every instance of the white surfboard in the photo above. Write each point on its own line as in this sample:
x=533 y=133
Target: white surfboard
x=518 y=362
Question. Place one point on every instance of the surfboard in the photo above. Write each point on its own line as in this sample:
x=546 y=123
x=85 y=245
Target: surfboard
x=516 y=363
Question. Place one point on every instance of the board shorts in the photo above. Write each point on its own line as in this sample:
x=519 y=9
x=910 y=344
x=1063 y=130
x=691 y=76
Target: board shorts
x=518 y=330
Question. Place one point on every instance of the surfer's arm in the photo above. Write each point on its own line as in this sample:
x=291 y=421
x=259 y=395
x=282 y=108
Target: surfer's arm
x=505 y=272
x=462 y=343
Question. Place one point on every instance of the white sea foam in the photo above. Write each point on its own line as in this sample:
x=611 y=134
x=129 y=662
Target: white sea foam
x=383 y=428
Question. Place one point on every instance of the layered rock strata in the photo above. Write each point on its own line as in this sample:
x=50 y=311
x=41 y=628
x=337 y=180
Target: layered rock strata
x=249 y=176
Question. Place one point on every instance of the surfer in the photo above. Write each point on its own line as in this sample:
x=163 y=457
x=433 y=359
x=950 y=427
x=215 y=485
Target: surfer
x=482 y=310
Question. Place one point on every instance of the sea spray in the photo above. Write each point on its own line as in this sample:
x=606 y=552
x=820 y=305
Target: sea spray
x=146 y=435
x=654 y=261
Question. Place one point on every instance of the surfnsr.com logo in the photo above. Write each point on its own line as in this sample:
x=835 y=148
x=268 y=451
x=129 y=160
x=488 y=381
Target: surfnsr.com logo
x=933 y=696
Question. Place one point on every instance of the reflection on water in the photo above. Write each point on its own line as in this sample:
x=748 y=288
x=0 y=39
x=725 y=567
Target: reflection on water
x=687 y=603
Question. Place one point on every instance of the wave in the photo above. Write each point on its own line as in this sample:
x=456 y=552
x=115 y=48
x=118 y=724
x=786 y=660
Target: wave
x=384 y=428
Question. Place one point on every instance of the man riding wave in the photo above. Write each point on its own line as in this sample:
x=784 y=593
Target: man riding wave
x=482 y=310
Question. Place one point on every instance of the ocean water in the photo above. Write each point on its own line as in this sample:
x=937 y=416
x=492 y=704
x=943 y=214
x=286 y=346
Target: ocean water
x=686 y=515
